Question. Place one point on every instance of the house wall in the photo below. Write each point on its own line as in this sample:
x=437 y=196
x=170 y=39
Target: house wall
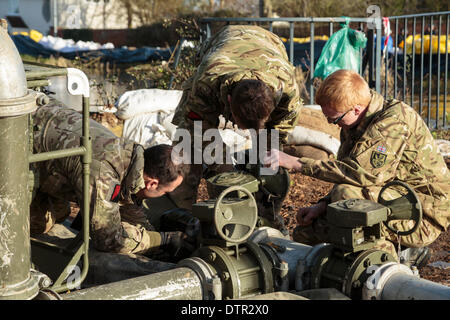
x=72 y=14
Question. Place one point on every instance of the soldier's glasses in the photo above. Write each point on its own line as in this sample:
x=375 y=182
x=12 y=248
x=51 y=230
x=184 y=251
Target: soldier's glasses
x=336 y=121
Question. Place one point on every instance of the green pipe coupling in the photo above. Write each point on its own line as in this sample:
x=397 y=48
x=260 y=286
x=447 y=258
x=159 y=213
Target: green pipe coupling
x=244 y=270
x=19 y=106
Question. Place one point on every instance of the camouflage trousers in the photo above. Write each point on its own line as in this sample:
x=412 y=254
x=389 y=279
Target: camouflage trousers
x=318 y=231
x=139 y=236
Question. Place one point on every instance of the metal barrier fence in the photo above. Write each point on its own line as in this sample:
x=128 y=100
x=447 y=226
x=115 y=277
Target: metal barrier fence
x=417 y=65
x=389 y=71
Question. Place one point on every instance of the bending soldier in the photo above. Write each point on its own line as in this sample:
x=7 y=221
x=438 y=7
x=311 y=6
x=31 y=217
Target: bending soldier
x=380 y=141
x=122 y=174
x=244 y=75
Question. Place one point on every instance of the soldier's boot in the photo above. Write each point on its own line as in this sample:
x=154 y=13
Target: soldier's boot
x=415 y=257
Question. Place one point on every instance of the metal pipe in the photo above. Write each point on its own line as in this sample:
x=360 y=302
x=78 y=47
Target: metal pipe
x=16 y=103
x=281 y=19
x=37 y=83
x=361 y=27
x=395 y=58
x=386 y=68
x=421 y=66
x=430 y=72
x=402 y=286
x=438 y=73
x=420 y=15
x=446 y=71
x=405 y=79
x=311 y=72
x=86 y=159
x=287 y=250
x=378 y=57
x=413 y=61
x=44 y=156
x=291 y=42
x=55 y=18
x=175 y=284
x=397 y=281
x=12 y=73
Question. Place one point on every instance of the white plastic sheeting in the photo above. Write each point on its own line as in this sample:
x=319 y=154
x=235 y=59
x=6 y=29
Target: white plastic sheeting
x=142 y=101
x=69 y=45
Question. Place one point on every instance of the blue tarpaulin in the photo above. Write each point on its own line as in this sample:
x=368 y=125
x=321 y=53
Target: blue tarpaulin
x=28 y=46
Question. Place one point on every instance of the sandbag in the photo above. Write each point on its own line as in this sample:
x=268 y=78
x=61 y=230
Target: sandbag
x=306 y=151
x=137 y=102
x=314 y=130
x=444 y=147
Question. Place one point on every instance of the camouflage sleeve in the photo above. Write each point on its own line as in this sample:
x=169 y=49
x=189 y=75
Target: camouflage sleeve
x=285 y=116
x=205 y=100
x=373 y=160
x=109 y=233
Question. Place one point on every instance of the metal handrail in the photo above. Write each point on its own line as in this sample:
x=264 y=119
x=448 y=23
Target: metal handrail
x=420 y=15
x=85 y=152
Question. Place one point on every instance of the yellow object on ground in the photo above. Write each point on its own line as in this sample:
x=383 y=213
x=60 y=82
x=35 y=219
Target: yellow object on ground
x=22 y=33
x=426 y=44
x=36 y=35
x=307 y=39
x=33 y=34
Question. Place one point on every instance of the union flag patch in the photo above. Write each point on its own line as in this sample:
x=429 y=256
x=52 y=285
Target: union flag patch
x=381 y=149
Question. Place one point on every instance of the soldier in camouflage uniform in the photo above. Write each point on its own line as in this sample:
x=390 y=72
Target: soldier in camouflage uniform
x=380 y=141
x=233 y=60
x=122 y=173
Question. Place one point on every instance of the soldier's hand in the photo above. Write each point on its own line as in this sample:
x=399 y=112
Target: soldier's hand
x=306 y=216
x=177 y=243
x=275 y=158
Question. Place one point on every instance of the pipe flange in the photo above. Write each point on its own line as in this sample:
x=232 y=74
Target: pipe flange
x=18 y=106
x=211 y=285
x=265 y=266
x=24 y=290
x=374 y=285
x=312 y=267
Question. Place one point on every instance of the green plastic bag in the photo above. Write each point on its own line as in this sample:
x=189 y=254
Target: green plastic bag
x=341 y=52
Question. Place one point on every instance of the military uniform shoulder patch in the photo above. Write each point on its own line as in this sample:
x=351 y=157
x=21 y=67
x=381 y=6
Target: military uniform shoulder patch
x=378 y=157
x=115 y=195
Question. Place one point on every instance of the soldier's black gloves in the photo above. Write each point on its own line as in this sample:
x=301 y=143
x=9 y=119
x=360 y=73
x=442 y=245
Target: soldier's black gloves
x=177 y=243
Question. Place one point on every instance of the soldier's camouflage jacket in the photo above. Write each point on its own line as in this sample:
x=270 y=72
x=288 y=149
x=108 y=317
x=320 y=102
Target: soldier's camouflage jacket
x=235 y=53
x=116 y=174
x=391 y=142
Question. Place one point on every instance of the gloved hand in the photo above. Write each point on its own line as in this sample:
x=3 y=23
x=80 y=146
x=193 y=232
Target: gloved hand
x=177 y=243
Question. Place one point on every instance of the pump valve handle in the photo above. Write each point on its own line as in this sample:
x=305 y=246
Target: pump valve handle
x=405 y=207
